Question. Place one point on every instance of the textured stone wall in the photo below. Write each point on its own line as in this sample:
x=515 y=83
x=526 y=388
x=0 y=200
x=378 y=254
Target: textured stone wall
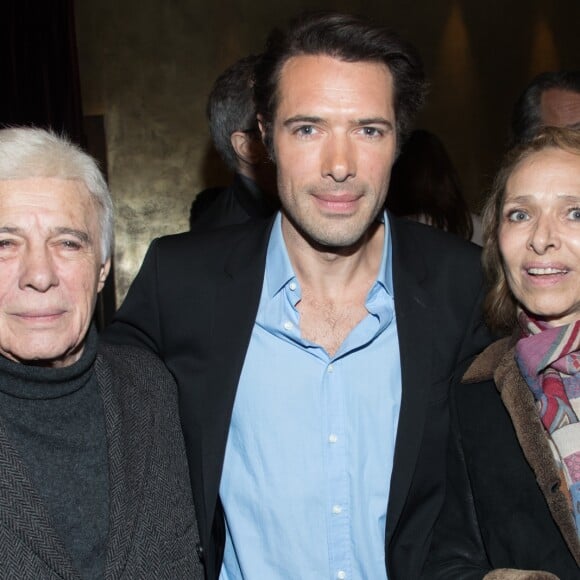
x=147 y=66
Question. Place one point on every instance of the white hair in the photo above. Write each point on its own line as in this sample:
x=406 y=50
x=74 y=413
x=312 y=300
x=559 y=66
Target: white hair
x=27 y=152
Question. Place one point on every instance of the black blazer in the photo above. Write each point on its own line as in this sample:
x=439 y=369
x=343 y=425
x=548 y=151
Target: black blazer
x=194 y=303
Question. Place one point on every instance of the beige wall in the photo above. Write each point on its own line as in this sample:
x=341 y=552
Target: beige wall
x=147 y=66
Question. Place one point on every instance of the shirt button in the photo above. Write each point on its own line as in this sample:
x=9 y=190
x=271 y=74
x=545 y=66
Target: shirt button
x=336 y=509
x=292 y=286
x=330 y=368
x=332 y=438
x=341 y=575
x=288 y=325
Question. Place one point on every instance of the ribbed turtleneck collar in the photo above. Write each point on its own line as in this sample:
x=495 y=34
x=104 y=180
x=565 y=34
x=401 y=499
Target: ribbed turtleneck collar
x=32 y=382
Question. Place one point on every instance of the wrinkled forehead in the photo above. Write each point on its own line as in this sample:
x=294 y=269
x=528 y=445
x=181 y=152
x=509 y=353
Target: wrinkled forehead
x=58 y=189
x=49 y=196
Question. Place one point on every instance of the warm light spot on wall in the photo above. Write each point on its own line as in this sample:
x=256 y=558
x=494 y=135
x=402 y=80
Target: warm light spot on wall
x=544 y=52
x=455 y=79
x=455 y=58
x=456 y=99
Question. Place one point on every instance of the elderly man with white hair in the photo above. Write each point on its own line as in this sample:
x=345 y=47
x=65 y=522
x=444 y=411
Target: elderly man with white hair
x=93 y=476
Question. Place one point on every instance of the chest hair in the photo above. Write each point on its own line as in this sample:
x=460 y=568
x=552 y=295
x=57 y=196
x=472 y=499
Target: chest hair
x=327 y=322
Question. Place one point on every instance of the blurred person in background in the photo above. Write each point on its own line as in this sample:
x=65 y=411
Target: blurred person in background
x=551 y=99
x=236 y=137
x=425 y=187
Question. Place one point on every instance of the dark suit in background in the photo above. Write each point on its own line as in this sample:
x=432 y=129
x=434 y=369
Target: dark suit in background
x=242 y=201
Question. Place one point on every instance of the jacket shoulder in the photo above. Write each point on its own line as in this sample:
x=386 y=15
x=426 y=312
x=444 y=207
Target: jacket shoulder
x=136 y=366
x=209 y=246
x=432 y=240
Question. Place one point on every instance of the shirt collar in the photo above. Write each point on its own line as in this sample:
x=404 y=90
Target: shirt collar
x=279 y=270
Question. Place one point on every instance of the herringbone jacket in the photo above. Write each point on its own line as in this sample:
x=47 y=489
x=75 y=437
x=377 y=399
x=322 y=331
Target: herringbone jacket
x=152 y=524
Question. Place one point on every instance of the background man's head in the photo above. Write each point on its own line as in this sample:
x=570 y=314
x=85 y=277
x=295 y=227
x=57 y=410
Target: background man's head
x=232 y=121
x=551 y=99
x=348 y=38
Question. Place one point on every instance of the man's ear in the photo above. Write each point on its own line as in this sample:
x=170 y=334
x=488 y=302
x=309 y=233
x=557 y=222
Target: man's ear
x=103 y=273
x=247 y=147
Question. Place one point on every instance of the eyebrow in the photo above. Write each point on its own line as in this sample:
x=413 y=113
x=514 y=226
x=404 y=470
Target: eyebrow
x=302 y=119
x=355 y=122
x=570 y=198
x=375 y=121
x=526 y=198
x=81 y=235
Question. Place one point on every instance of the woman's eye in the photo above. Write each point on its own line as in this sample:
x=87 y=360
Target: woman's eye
x=517 y=215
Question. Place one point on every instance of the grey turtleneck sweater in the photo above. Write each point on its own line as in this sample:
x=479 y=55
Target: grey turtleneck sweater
x=54 y=419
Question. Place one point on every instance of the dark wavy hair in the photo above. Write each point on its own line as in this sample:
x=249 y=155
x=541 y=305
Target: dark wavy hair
x=347 y=38
x=500 y=304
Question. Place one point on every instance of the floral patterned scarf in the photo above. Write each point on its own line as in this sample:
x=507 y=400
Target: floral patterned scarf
x=549 y=359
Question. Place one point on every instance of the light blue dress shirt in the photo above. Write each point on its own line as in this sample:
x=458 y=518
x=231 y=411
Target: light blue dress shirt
x=309 y=455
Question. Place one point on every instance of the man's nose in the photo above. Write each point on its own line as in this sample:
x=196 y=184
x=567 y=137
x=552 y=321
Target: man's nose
x=339 y=158
x=38 y=270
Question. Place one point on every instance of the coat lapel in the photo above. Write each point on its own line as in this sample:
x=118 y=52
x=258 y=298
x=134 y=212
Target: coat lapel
x=234 y=310
x=415 y=332
x=24 y=515
x=129 y=433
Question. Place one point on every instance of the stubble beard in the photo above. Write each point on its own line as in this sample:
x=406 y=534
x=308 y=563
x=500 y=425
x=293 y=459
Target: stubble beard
x=336 y=234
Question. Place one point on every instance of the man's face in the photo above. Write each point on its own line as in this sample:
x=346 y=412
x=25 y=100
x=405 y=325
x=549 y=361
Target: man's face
x=560 y=108
x=50 y=269
x=334 y=144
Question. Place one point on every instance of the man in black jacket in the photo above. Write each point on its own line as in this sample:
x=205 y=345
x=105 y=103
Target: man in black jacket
x=314 y=351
